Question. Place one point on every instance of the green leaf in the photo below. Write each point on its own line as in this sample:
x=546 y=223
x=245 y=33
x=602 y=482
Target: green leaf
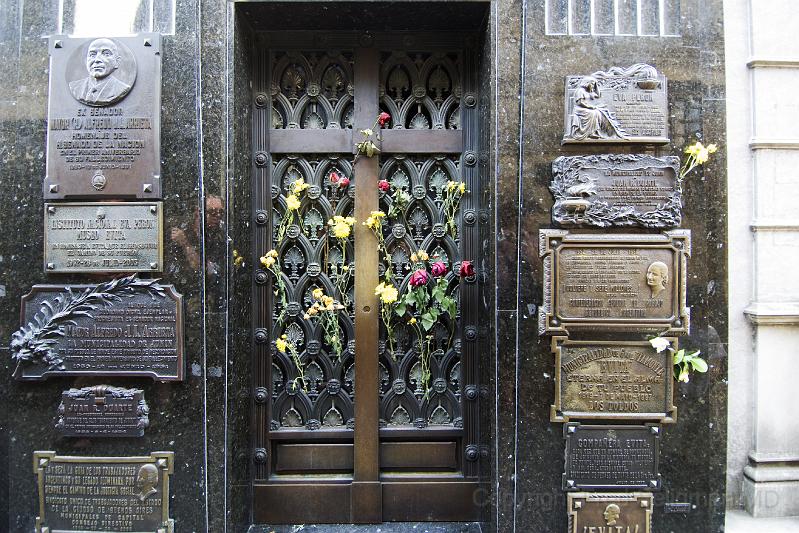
x=699 y=364
x=400 y=308
x=427 y=322
x=679 y=356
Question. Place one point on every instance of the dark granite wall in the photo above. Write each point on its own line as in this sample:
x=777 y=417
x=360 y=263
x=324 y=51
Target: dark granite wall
x=205 y=142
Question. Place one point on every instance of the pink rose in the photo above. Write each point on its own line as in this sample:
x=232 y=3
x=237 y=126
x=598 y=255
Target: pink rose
x=383 y=118
x=419 y=278
x=383 y=185
x=334 y=177
x=343 y=182
x=467 y=269
x=438 y=269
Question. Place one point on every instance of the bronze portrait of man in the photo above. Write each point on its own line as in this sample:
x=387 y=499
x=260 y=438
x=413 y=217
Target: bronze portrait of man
x=100 y=87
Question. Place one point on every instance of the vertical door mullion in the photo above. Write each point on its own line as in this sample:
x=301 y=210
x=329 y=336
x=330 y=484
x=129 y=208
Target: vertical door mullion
x=470 y=242
x=262 y=241
x=366 y=501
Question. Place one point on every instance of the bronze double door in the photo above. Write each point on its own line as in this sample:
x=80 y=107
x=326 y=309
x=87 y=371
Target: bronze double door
x=361 y=438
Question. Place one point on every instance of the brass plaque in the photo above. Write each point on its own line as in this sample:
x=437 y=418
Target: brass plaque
x=611 y=457
x=616 y=190
x=613 y=380
x=614 y=282
x=104 y=115
x=622 y=105
x=102 y=411
x=596 y=512
x=81 y=494
x=124 y=327
x=104 y=237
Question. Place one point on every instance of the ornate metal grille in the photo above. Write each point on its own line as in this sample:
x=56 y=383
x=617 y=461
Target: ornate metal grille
x=310 y=258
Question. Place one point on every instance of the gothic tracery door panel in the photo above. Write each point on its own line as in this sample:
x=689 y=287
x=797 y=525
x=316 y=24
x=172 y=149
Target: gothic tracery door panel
x=359 y=419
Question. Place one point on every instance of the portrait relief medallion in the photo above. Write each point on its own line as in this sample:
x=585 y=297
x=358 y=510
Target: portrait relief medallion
x=101 y=72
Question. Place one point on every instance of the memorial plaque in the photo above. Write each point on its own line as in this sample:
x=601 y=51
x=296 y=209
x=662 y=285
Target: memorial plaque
x=613 y=380
x=596 y=512
x=102 y=411
x=103 y=124
x=618 y=106
x=125 y=327
x=614 y=282
x=611 y=457
x=103 y=237
x=616 y=190
x=81 y=494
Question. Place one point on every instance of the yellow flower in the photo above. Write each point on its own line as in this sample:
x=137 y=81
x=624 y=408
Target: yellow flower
x=378 y=214
x=271 y=253
x=281 y=345
x=380 y=288
x=293 y=202
x=684 y=376
x=314 y=310
x=422 y=255
x=299 y=185
x=451 y=185
x=327 y=301
x=350 y=220
x=268 y=261
x=318 y=294
x=345 y=268
x=412 y=321
x=389 y=294
x=341 y=231
x=462 y=188
x=414 y=257
x=306 y=316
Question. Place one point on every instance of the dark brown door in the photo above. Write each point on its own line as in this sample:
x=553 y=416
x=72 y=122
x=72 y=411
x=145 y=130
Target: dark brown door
x=351 y=431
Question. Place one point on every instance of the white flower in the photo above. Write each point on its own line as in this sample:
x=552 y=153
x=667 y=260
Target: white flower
x=660 y=344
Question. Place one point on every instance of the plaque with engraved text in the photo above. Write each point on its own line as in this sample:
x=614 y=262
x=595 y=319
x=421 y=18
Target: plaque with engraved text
x=614 y=282
x=622 y=105
x=103 y=124
x=621 y=512
x=102 y=411
x=124 y=327
x=611 y=457
x=103 y=237
x=82 y=494
x=616 y=190
x=613 y=380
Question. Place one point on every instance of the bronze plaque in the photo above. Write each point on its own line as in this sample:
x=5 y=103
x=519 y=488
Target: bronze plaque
x=596 y=512
x=614 y=282
x=104 y=114
x=124 y=327
x=102 y=411
x=611 y=457
x=81 y=494
x=613 y=380
x=104 y=237
x=622 y=105
x=616 y=190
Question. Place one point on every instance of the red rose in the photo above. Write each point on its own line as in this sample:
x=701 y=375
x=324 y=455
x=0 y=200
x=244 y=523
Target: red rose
x=419 y=278
x=438 y=269
x=343 y=182
x=467 y=269
x=383 y=118
x=334 y=177
x=383 y=185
